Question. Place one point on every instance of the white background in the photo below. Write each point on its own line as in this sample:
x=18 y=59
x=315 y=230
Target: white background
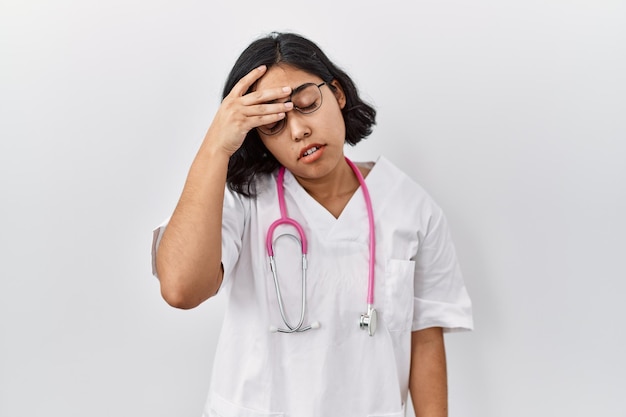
x=512 y=114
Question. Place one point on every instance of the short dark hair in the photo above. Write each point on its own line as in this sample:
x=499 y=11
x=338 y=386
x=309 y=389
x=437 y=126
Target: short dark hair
x=252 y=157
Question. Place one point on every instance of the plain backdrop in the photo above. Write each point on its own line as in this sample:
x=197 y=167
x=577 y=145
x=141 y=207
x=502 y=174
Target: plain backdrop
x=512 y=114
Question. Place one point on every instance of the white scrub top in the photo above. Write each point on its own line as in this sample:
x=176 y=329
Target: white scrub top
x=338 y=369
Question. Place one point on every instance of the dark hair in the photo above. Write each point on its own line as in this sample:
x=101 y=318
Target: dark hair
x=252 y=157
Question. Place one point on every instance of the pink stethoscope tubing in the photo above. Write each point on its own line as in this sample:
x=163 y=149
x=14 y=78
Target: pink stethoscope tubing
x=283 y=217
x=369 y=319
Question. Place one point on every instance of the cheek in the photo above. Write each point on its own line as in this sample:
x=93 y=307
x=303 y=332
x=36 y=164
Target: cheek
x=335 y=116
x=337 y=123
x=277 y=147
x=270 y=143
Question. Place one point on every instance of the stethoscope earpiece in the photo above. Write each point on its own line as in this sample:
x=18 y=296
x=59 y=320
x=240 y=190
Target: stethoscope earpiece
x=312 y=326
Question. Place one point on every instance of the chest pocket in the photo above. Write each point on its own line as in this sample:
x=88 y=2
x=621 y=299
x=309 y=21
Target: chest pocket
x=399 y=276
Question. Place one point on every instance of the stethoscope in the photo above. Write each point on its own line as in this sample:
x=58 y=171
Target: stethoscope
x=369 y=319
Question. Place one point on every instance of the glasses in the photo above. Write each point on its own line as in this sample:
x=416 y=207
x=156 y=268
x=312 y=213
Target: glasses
x=306 y=99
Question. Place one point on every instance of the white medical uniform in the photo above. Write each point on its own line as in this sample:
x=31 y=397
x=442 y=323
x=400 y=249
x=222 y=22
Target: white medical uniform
x=338 y=369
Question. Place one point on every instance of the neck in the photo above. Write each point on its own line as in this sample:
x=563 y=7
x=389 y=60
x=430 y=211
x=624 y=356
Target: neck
x=337 y=183
x=334 y=190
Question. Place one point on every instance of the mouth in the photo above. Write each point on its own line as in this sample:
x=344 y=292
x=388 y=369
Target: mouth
x=310 y=150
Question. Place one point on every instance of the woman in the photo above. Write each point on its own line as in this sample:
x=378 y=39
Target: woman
x=310 y=335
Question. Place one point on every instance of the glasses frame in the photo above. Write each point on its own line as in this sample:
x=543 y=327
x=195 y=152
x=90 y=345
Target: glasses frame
x=298 y=89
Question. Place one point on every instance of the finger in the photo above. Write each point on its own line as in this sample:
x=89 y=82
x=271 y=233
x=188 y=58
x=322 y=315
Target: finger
x=267 y=113
x=244 y=84
x=266 y=96
x=268 y=118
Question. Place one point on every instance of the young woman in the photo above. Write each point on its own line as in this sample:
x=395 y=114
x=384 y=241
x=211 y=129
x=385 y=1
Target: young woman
x=339 y=308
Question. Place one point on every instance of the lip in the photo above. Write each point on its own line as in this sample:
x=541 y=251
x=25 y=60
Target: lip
x=314 y=155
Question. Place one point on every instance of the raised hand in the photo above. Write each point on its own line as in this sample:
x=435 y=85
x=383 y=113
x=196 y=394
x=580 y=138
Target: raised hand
x=240 y=112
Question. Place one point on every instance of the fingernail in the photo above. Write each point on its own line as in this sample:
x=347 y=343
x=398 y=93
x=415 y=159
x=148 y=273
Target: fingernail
x=288 y=104
x=261 y=67
x=286 y=89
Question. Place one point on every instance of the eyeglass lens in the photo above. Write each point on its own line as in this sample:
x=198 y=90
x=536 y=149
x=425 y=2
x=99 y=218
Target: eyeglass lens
x=306 y=99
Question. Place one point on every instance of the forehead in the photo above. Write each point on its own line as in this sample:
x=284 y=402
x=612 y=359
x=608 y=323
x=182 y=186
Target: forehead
x=284 y=75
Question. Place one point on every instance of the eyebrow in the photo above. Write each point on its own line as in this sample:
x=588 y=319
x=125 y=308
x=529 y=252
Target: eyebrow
x=301 y=87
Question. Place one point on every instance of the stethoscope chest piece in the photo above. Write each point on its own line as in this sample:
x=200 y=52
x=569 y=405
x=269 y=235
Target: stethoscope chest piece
x=369 y=320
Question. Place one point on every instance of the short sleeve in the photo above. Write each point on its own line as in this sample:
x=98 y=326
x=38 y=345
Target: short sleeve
x=440 y=295
x=234 y=215
x=157 y=234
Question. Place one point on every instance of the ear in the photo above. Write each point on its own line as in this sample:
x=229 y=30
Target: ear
x=339 y=94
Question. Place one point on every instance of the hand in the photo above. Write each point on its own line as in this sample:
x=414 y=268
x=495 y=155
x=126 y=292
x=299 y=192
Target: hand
x=241 y=112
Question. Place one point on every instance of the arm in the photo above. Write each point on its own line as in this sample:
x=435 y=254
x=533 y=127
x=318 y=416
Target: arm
x=189 y=257
x=428 y=381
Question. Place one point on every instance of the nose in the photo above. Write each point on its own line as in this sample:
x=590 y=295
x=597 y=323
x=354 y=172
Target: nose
x=298 y=126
